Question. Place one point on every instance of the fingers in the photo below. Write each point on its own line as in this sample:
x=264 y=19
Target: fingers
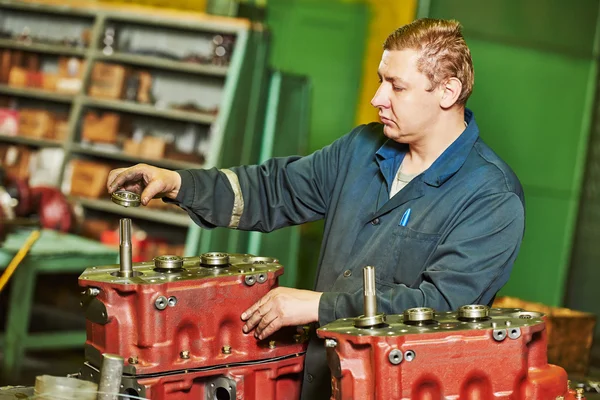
x=119 y=177
x=111 y=177
x=268 y=324
x=254 y=319
x=248 y=313
x=152 y=189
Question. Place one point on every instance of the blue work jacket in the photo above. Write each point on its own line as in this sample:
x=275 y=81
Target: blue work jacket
x=456 y=247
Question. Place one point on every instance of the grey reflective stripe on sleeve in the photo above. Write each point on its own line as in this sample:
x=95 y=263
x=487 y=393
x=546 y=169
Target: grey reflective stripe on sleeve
x=238 y=199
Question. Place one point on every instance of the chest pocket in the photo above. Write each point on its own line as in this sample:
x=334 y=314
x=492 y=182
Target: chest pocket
x=413 y=249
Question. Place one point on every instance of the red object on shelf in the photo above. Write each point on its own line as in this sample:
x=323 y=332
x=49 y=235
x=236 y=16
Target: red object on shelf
x=138 y=242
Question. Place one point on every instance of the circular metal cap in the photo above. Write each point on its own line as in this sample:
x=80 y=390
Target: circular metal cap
x=475 y=311
x=126 y=198
x=369 y=322
x=214 y=259
x=168 y=262
x=418 y=314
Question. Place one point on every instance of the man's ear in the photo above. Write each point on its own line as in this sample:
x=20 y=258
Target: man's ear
x=451 y=90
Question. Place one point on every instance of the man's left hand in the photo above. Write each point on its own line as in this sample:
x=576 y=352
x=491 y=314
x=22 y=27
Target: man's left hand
x=281 y=307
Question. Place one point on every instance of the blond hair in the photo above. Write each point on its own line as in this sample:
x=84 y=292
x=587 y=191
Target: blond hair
x=443 y=51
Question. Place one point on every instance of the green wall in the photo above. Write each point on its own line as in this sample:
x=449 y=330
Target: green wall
x=325 y=41
x=534 y=86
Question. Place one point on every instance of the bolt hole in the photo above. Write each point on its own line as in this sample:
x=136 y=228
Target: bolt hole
x=132 y=392
x=513 y=332
x=222 y=394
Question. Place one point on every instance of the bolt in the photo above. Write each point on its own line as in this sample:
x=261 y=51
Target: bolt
x=579 y=393
x=226 y=349
x=133 y=360
x=330 y=343
x=271 y=344
x=185 y=354
x=508 y=323
x=93 y=291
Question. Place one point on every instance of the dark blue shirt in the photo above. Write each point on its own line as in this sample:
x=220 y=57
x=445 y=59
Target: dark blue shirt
x=457 y=247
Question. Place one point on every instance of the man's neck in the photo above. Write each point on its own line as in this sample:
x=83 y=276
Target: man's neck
x=423 y=153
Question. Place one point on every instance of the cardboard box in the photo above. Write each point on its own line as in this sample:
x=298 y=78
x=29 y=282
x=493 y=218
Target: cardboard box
x=107 y=80
x=16 y=161
x=100 y=128
x=152 y=147
x=35 y=123
x=88 y=178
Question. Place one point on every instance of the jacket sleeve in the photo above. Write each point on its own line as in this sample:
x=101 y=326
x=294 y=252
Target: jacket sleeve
x=469 y=265
x=278 y=193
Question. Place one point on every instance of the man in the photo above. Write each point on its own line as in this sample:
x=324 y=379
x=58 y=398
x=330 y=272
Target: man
x=419 y=196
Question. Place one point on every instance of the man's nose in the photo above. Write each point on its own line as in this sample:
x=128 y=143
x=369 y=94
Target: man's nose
x=380 y=99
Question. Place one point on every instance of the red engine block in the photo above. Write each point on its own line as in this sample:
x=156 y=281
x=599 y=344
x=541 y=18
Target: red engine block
x=176 y=322
x=473 y=354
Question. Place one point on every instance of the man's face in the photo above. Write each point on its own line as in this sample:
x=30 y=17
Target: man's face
x=405 y=106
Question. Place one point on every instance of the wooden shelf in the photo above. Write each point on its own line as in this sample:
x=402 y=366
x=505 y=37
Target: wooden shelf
x=144 y=109
x=120 y=156
x=30 y=141
x=162 y=63
x=149 y=214
x=36 y=94
x=42 y=48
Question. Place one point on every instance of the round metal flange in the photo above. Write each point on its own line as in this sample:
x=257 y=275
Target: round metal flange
x=214 y=259
x=168 y=262
x=369 y=322
x=473 y=312
x=395 y=356
x=126 y=198
x=161 y=303
x=418 y=314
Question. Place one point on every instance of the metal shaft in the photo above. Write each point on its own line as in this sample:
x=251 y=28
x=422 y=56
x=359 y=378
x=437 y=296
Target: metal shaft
x=110 y=377
x=125 y=253
x=369 y=291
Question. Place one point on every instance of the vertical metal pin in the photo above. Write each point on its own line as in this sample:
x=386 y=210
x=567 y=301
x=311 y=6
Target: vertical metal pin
x=110 y=377
x=125 y=251
x=369 y=291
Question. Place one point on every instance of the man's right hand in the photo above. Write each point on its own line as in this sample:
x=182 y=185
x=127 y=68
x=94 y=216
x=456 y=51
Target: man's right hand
x=147 y=181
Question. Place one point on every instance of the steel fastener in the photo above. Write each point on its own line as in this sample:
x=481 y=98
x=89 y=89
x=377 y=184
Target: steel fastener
x=185 y=354
x=226 y=349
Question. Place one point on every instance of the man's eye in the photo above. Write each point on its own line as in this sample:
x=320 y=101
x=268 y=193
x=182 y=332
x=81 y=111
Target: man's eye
x=398 y=89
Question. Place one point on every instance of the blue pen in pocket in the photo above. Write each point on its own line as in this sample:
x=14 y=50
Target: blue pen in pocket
x=405 y=218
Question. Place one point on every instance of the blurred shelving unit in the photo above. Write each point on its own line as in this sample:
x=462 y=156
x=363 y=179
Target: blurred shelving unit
x=88 y=87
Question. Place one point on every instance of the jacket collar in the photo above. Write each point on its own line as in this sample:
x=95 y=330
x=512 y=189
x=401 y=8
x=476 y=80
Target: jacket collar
x=447 y=164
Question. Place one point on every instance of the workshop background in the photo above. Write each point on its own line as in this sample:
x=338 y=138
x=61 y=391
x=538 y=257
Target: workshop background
x=89 y=86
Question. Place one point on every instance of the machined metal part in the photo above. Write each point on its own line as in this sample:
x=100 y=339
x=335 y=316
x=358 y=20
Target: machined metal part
x=110 y=377
x=370 y=318
x=501 y=319
x=214 y=259
x=395 y=356
x=220 y=388
x=126 y=198
x=95 y=310
x=161 y=303
x=514 y=333
x=330 y=343
x=146 y=272
x=168 y=263
x=172 y=301
x=473 y=313
x=418 y=315
x=250 y=280
x=409 y=355
x=125 y=250
x=129 y=383
x=499 y=334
